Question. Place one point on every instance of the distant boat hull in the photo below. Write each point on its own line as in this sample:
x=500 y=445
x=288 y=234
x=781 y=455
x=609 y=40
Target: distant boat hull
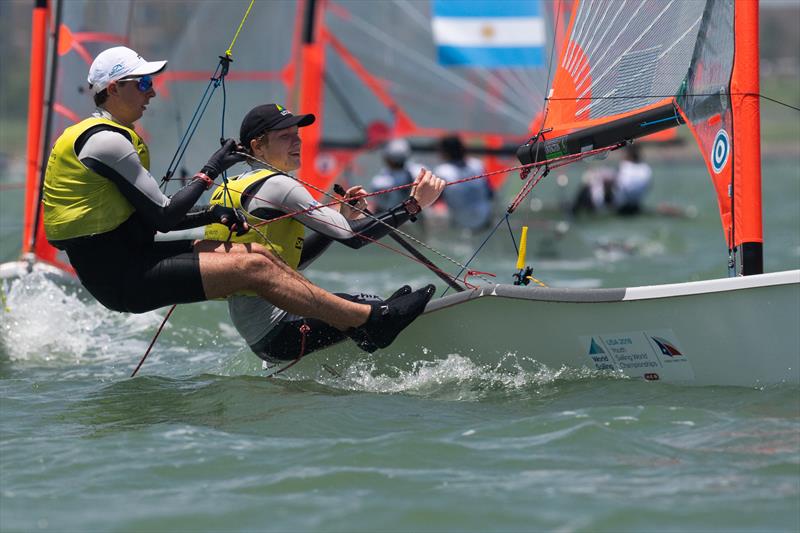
x=18 y=269
x=735 y=331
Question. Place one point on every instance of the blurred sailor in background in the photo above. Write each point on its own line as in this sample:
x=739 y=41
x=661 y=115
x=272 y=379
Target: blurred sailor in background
x=398 y=170
x=622 y=192
x=633 y=182
x=469 y=203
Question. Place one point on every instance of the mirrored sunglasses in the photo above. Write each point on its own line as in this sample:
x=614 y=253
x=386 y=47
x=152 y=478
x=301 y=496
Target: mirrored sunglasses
x=144 y=84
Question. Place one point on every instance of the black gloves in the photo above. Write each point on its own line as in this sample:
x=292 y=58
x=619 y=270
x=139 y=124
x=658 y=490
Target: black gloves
x=231 y=218
x=222 y=160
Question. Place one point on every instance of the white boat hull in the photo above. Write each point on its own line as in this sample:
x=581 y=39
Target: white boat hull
x=735 y=331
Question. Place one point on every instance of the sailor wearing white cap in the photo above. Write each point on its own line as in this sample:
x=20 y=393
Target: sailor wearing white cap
x=103 y=207
x=119 y=63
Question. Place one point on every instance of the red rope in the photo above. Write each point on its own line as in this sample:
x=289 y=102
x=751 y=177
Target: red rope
x=163 y=322
x=526 y=189
x=551 y=163
x=305 y=329
x=366 y=238
x=475 y=273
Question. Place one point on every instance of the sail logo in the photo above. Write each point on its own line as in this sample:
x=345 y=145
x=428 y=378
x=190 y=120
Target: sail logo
x=599 y=356
x=595 y=348
x=720 y=151
x=666 y=347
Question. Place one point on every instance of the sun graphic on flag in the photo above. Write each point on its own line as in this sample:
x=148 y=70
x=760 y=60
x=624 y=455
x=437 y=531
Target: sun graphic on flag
x=488 y=32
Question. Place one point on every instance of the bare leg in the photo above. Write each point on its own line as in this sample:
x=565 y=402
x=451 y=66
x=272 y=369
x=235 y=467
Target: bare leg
x=227 y=268
x=251 y=248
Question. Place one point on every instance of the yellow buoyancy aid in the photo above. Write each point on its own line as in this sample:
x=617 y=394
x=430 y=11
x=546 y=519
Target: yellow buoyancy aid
x=284 y=237
x=78 y=201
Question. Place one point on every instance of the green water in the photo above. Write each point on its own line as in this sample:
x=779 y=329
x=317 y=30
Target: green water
x=202 y=442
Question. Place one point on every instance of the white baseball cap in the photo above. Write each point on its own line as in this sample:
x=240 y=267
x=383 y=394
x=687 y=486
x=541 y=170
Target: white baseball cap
x=397 y=150
x=117 y=63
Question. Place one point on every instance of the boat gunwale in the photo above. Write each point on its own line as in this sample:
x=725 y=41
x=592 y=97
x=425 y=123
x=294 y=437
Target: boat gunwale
x=619 y=294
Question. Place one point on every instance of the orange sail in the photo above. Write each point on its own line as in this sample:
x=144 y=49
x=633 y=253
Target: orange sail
x=34 y=243
x=620 y=59
x=633 y=69
x=617 y=75
x=720 y=102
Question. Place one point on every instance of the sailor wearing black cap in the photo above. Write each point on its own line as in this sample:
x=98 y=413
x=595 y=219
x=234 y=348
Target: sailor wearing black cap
x=270 y=133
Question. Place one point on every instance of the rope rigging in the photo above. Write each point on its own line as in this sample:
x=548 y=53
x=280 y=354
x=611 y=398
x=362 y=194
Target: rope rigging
x=217 y=79
x=365 y=212
x=541 y=168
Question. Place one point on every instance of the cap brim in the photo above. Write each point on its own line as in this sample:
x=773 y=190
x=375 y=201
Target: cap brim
x=296 y=120
x=148 y=67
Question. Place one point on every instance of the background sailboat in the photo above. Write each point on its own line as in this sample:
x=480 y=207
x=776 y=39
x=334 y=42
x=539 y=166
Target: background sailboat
x=370 y=71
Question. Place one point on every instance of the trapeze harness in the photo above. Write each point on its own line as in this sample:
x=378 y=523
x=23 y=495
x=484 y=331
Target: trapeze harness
x=77 y=200
x=284 y=237
x=110 y=246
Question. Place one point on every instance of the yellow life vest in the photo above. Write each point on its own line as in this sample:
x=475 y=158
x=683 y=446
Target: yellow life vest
x=284 y=237
x=78 y=201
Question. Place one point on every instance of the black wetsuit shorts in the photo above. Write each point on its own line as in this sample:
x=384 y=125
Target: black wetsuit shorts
x=127 y=271
x=296 y=336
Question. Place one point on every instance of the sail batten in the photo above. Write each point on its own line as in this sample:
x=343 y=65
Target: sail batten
x=617 y=54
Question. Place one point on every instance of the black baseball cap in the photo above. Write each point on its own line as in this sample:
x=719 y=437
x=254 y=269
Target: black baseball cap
x=269 y=117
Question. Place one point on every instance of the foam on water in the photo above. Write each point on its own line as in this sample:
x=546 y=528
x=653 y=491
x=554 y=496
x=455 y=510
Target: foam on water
x=453 y=377
x=49 y=325
x=45 y=323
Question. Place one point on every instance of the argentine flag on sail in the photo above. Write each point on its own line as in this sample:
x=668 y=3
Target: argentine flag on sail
x=489 y=33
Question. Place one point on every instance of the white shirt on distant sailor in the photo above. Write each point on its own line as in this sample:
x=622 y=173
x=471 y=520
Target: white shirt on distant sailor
x=632 y=183
x=469 y=203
